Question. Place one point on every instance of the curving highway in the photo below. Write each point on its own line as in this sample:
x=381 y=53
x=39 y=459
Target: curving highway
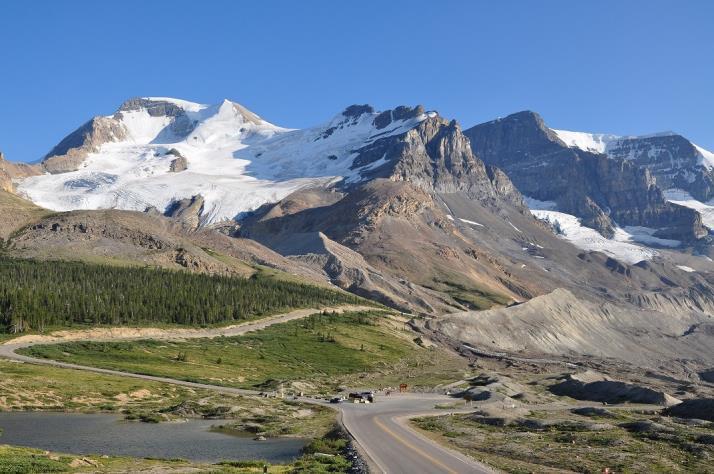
x=382 y=431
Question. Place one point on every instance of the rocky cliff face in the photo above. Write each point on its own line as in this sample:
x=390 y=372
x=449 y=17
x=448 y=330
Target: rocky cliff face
x=435 y=156
x=602 y=191
x=672 y=159
x=71 y=152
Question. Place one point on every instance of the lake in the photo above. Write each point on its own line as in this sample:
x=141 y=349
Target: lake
x=112 y=435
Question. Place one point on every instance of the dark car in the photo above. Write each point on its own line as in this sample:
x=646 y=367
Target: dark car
x=335 y=400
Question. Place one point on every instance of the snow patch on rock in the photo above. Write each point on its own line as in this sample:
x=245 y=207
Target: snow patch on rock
x=707 y=157
x=593 y=142
x=535 y=204
x=622 y=247
x=470 y=222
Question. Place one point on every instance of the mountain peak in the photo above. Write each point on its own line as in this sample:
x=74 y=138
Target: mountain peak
x=528 y=118
x=356 y=110
x=402 y=112
x=248 y=115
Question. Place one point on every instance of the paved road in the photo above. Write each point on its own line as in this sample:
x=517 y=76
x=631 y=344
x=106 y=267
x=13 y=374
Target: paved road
x=380 y=429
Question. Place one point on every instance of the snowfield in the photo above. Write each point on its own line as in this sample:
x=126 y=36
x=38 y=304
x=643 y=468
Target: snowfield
x=623 y=246
x=540 y=205
x=236 y=161
x=594 y=142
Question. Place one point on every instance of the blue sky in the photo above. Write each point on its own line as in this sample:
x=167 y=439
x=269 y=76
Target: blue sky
x=625 y=67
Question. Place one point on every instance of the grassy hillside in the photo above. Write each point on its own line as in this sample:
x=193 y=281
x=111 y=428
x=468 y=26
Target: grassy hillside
x=16 y=212
x=38 y=294
x=319 y=353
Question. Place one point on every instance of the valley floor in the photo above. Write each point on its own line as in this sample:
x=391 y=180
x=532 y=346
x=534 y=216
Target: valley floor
x=518 y=425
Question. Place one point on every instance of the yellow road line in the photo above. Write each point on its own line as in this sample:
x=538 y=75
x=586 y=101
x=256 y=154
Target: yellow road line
x=409 y=445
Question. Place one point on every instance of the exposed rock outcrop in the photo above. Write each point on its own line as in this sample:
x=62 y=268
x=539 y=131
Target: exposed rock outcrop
x=384 y=119
x=179 y=163
x=71 y=152
x=492 y=388
x=180 y=124
x=10 y=171
x=410 y=249
x=155 y=108
x=187 y=211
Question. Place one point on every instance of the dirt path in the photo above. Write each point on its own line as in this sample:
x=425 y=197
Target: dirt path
x=124 y=333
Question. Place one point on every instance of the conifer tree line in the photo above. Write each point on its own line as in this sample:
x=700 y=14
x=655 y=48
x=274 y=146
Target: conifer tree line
x=38 y=294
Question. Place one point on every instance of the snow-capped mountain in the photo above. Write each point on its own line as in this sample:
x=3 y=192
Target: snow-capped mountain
x=682 y=169
x=155 y=151
x=567 y=178
x=338 y=197
x=213 y=163
x=645 y=149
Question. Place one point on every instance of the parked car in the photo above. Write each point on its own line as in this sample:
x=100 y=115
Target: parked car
x=362 y=397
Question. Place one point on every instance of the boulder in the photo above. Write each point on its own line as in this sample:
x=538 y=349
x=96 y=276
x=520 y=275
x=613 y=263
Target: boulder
x=699 y=408
x=178 y=164
x=596 y=387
